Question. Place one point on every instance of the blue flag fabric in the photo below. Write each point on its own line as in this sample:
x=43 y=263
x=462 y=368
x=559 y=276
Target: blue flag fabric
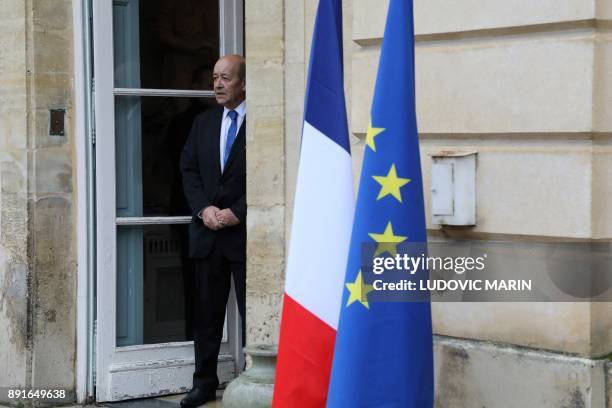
x=383 y=353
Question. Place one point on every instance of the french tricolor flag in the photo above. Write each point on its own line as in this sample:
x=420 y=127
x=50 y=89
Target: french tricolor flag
x=321 y=230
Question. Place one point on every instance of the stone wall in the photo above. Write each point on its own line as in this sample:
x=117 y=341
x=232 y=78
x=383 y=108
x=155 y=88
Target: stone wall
x=265 y=167
x=526 y=85
x=277 y=49
x=37 y=222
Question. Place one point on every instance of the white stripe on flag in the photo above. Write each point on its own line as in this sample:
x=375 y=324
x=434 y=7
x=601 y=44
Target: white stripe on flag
x=321 y=229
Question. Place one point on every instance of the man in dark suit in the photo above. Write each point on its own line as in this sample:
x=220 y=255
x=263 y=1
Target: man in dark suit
x=213 y=164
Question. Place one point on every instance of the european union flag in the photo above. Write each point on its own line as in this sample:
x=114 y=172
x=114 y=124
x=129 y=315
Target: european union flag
x=383 y=354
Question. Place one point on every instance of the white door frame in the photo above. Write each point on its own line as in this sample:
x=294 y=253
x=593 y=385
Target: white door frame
x=84 y=202
x=119 y=370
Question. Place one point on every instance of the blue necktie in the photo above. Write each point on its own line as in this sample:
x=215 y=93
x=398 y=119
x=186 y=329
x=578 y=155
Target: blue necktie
x=231 y=135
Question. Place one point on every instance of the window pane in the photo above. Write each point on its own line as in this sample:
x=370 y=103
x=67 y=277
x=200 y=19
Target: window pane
x=165 y=44
x=155 y=285
x=150 y=133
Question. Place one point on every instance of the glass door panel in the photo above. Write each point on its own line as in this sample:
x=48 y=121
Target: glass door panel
x=155 y=285
x=171 y=45
x=150 y=133
x=161 y=44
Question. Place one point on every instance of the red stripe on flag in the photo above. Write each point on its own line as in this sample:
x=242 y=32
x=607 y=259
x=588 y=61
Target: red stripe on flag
x=304 y=358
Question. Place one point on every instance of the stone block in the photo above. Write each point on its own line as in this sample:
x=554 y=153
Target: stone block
x=265 y=270
x=295 y=88
x=54 y=318
x=52 y=52
x=14 y=238
x=53 y=171
x=265 y=161
x=13 y=10
x=11 y=26
x=295 y=33
x=357 y=151
x=13 y=173
x=266 y=238
x=292 y=157
x=602 y=108
x=369 y=17
x=54 y=91
x=602 y=188
x=365 y=66
x=526 y=192
x=563 y=327
x=296 y=67
x=523 y=187
x=12 y=89
x=52 y=15
x=263 y=317
x=267 y=45
x=601 y=329
x=448 y=16
x=604 y=10
x=13 y=322
x=13 y=125
x=266 y=277
x=12 y=55
x=476 y=374
x=267 y=90
x=514 y=85
x=609 y=384
x=14 y=220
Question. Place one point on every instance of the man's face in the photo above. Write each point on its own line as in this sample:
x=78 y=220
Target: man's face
x=230 y=90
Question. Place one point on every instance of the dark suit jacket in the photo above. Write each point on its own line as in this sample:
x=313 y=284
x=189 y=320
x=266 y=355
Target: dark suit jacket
x=205 y=185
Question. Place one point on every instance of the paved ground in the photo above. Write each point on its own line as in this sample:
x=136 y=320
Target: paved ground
x=174 y=399
x=171 y=401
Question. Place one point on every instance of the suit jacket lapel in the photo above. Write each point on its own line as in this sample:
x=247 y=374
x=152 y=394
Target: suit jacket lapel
x=215 y=130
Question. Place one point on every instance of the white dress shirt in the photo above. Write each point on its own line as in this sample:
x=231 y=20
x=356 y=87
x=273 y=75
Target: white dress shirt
x=226 y=122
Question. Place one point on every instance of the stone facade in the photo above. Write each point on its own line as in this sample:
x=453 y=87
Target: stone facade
x=37 y=222
x=526 y=85
x=266 y=168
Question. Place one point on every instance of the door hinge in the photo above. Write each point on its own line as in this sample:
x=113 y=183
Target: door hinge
x=92 y=112
x=94 y=352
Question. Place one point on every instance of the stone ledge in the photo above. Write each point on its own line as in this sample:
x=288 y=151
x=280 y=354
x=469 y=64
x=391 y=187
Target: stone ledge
x=609 y=384
x=444 y=16
x=508 y=85
x=481 y=374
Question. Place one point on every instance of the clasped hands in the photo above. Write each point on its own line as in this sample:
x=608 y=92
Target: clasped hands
x=216 y=219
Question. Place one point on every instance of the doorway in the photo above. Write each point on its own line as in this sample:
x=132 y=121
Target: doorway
x=152 y=71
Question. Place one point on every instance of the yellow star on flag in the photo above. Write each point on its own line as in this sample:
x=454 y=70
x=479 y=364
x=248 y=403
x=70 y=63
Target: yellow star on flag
x=391 y=184
x=372 y=133
x=359 y=291
x=387 y=241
